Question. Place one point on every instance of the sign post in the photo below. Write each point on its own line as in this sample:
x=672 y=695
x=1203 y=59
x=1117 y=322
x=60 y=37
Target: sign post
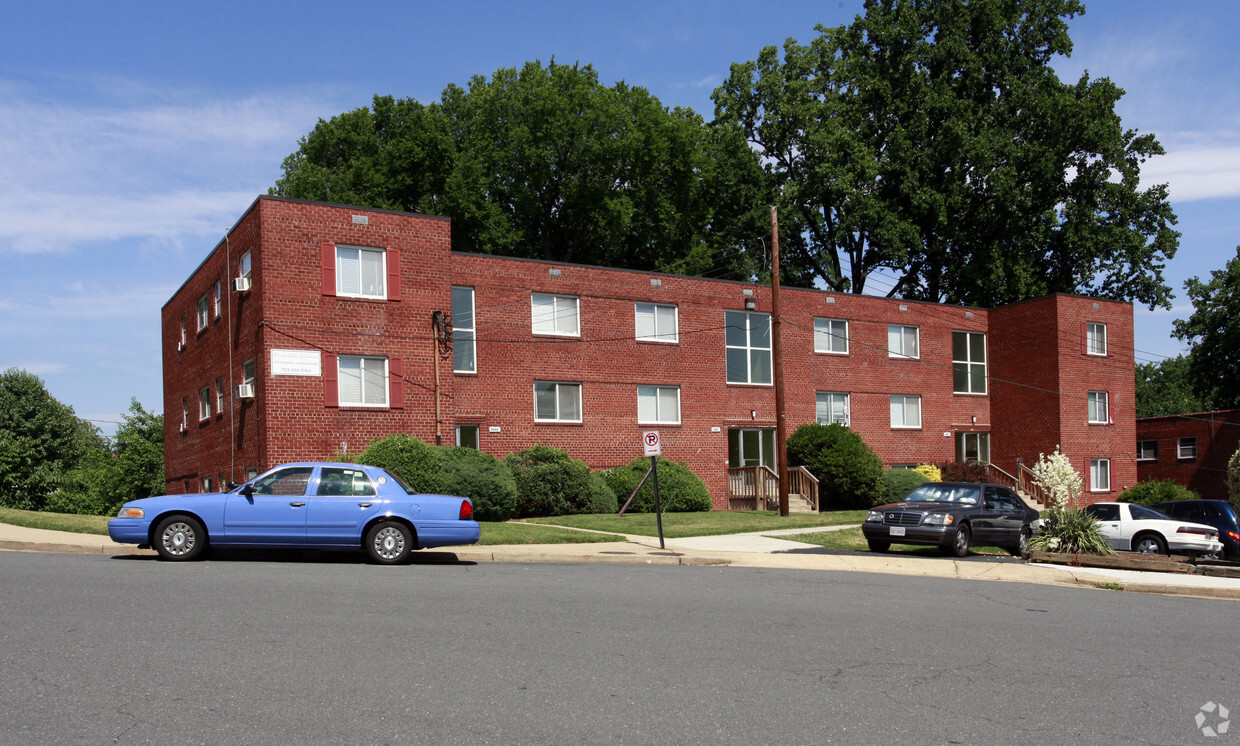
x=653 y=448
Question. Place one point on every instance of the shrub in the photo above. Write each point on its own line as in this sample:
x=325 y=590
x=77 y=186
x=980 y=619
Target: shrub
x=1233 y=478
x=603 y=498
x=414 y=461
x=963 y=471
x=1072 y=531
x=1055 y=475
x=480 y=477
x=849 y=473
x=1154 y=491
x=680 y=490
x=550 y=482
x=931 y=472
x=897 y=483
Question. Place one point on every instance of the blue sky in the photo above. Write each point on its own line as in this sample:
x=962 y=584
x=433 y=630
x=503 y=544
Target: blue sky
x=133 y=135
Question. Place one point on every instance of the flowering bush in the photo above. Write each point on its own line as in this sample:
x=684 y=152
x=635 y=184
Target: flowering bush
x=1233 y=477
x=930 y=472
x=1055 y=475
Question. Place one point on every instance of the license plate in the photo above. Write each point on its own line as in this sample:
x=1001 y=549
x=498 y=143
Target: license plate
x=897 y=531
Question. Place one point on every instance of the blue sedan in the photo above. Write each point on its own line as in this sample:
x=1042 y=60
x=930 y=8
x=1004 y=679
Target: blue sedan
x=301 y=505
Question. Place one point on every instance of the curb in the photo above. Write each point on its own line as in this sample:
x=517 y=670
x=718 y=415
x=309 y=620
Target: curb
x=40 y=546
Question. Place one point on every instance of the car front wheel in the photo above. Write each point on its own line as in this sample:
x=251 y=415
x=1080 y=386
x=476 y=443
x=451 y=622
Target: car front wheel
x=389 y=543
x=878 y=546
x=1022 y=545
x=179 y=538
x=1149 y=544
x=960 y=545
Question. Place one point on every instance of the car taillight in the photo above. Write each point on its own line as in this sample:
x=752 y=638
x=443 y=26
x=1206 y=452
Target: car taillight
x=467 y=510
x=1234 y=536
x=1198 y=531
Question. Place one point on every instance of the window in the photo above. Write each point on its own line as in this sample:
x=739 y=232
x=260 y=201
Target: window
x=1147 y=450
x=832 y=407
x=467 y=436
x=658 y=405
x=656 y=323
x=291 y=481
x=218 y=304
x=748 y=340
x=751 y=447
x=182 y=331
x=206 y=484
x=464 y=349
x=184 y=414
x=204 y=402
x=1100 y=475
x=1187 y=448
x=973 y=447
x=831 y=335
x=902 y=341
x=969 y=362
x=339 y=482
x=247 y=372
x=557 y=402
x=360 y=272
x=905 y=411
x=203 y=316
x=1095 y=339
x=1098 y=414
x=363 y=381
x=250 y=472
x=244 y=265
x=219 y=397
x=555 y=314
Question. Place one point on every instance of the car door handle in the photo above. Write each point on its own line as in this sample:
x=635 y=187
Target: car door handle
x=364 y=505
x=298 y=504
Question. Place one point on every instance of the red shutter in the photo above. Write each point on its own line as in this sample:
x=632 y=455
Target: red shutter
x=393 y=274
x=328 y=251
x=396 y=383
x=331 y=385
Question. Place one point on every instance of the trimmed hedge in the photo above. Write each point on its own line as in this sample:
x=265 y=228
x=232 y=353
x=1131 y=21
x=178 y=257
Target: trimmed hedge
x=963 y=471
x=482 y=478
x=1154 y=491
x=680 y=490
x=849 y=473
x=550 y=482
x=897 y=483
x=416 y=462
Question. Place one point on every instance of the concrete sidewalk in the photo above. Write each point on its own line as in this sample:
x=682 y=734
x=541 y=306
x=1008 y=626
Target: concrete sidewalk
x=733 y=550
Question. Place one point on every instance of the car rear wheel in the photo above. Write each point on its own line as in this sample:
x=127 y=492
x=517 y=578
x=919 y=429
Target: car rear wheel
x=1149 y=544
x=1022 y=545
x=179 y=538
x=389 y=543
x=960 y=545
x=878 y=546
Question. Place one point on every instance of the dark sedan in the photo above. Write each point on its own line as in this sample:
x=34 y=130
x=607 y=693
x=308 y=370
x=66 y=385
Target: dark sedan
x=953 y=516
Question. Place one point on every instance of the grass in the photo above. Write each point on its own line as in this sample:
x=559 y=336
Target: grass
x=78 y=524
x=853 y=540
x=1109 y=585
x=711 y=523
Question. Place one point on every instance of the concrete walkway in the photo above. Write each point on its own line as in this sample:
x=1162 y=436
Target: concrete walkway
x=734 y=550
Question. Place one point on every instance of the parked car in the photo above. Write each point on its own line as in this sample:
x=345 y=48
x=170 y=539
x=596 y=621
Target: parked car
x=1136 y=528
x=301 y=505
x=1217 y=513
x=953 y=516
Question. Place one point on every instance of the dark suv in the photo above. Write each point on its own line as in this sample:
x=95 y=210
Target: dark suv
x=1217 y=513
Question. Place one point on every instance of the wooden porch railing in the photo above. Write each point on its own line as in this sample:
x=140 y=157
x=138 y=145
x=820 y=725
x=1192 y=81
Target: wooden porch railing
x=1023 y=483
x=801 y=482
x=753 y=488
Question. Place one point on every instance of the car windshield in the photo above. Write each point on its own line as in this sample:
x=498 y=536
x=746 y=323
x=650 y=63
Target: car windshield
x=1142 y=513
x=965 y=494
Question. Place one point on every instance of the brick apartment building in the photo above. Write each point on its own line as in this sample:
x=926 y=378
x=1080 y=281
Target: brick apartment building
x=313 y=328
x=1190 y=449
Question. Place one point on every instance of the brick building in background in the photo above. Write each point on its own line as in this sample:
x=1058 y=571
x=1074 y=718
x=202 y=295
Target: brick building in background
x=1191 y=449
x=313 y=329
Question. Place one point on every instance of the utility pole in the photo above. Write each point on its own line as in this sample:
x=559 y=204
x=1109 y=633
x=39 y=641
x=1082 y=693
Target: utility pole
x=777 y=350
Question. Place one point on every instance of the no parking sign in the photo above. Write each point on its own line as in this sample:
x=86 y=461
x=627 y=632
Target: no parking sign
x=651 y=443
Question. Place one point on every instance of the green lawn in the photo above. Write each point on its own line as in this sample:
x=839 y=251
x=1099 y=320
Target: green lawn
x=852 y=539
x=712 y=523
x=78 y=524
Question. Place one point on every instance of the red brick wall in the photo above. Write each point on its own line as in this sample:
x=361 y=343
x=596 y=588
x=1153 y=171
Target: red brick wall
x=1218 y=437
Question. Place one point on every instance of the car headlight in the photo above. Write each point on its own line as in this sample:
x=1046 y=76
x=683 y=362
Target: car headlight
x=874 y=516
x=127 y=511
x=938 y=519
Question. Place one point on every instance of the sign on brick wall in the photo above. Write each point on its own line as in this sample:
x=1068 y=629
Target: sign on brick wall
x=296 y=363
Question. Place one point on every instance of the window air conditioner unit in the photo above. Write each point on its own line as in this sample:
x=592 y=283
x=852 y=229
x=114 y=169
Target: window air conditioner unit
x=184 y=428
x=245 y=391
x=241 y=284
x=180 y=347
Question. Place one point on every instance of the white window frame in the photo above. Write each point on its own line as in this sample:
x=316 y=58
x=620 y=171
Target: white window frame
x=365 y=377
x=243 y=265
x=1100 y=467
x=967 y=364
x=901 y=403
x=464 y=331
x=183 y=337
x=360 y=291
x=219 y=396
x=1095 y=339
x=1186 y=447
x=751 y=351
x=247 y=372
x=657 y=395
x=218 y=303
x=560 y=390
x=1099 y=408
x=477 y=435
x=206 y=484
x=562 y=320
x=831 y=336
x=204 y=403
x=898 y=341
x=184 y=413
x=1141 y=452
x=825 y=401
x=983 y=444
x=204 y=315
x=654 y=330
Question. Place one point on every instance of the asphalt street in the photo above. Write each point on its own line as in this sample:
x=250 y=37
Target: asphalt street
x=249 y=649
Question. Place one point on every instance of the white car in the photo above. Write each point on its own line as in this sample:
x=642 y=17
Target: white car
x=1136 y=528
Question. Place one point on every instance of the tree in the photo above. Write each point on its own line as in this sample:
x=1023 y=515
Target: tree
x=933 y=139
x=1058 y=479
x=129 y=467
x=849 y=473
x=548 y=163
x=1233 y=478
x=40 y=439
x=1166 y=387
x=1213 y=332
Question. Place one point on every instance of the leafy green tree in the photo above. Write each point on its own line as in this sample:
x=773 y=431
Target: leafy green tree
x=546 y=162
x=1233 y=478
x=849 y=473
x=1213 y=331
x=40 y=439
x=1153 y=491
x=933 y=139
x=129 y=467
x=1166 y=387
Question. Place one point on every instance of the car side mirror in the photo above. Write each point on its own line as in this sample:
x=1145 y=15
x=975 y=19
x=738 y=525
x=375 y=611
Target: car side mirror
x=230 y=485
x=990 y=505
x=248 y=491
